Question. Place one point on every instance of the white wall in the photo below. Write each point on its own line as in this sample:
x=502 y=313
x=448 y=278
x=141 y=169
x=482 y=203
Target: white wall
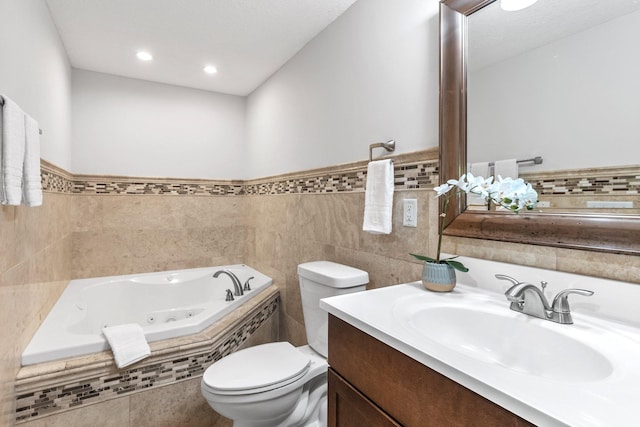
x=575 y=102
x=35 y=73
x=130 y=127
x=370 y=76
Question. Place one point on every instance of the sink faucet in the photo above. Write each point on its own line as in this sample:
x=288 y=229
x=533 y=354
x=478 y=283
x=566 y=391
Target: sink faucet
x=529 y=299
x=237 y=286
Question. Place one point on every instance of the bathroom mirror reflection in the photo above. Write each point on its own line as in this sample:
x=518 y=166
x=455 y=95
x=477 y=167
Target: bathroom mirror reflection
x=559 y=80
x=569 y=226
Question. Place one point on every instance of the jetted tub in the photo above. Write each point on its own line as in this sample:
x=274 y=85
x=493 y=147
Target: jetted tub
x=167 y=305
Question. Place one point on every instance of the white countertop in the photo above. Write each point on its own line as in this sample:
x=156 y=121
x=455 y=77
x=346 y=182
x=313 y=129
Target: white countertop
x=608 y=401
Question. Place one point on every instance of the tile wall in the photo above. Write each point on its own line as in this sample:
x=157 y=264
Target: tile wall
x=93 y=226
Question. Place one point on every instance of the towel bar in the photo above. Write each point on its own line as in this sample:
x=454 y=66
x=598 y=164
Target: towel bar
x=2 y=103
x=535 y=160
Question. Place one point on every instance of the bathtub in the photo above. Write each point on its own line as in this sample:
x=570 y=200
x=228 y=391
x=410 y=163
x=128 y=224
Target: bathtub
x=167 y=305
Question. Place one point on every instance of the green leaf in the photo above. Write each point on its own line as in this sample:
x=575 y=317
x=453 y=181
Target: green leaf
x=423 y=258
x=457 y=265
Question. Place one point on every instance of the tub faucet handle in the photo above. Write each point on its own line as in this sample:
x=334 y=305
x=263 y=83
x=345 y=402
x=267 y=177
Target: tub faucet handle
x=229 y=295
x=246 y=284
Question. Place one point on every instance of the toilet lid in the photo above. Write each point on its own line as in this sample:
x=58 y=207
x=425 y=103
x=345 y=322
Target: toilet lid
x=261 y=367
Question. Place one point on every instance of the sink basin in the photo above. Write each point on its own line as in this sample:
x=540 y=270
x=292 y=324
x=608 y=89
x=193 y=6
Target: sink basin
x=494 y=334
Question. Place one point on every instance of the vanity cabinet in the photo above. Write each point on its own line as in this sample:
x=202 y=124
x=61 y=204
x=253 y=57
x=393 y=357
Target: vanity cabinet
x=372 y=384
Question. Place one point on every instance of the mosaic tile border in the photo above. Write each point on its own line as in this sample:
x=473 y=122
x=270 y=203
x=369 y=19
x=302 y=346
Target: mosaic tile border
x=43 y=401
x=415 y=175
x=617 y=185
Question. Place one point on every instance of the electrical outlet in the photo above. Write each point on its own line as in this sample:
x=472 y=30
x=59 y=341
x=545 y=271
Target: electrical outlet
x=410 y=213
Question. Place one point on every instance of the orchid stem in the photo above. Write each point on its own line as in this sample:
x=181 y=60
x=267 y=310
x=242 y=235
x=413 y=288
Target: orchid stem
x=442 y=217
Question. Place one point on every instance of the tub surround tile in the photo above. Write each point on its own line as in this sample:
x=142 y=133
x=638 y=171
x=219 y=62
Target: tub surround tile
x=112 y=413
x=44 y=389
x=179 y=405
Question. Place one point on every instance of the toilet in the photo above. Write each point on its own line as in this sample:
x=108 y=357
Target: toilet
x=277 y=384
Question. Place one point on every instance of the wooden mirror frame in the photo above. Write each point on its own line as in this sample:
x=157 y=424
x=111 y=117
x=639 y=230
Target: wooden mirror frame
x=593 y=232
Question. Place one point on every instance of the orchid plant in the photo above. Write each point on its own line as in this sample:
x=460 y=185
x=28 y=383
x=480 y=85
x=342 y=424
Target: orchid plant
x=510 y=194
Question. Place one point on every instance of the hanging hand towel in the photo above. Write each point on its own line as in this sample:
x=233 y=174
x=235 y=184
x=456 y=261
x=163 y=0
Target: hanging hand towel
x=12 y=148
x=31 y=181
x=127 y=342
x=378 y=197
x=478 y=169
x=506 y=168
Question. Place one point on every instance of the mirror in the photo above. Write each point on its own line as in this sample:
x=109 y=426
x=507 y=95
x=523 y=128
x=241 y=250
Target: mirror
x=588 y=231
x=558 y=80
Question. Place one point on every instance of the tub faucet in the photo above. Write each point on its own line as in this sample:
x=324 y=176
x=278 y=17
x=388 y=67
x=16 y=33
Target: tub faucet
x=529 y=299
x=237 y=286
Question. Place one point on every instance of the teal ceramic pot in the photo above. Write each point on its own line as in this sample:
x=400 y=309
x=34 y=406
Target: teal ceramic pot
x=438 y=277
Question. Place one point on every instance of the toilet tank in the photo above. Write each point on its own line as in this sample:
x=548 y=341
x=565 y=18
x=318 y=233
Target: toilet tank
x=322 y=279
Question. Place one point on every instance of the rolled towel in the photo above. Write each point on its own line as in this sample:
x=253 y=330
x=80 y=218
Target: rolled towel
x=378 y=197
x=31 y=183
x=127 y=342
x=506 y=168
x=12 y=148
x=478 y=169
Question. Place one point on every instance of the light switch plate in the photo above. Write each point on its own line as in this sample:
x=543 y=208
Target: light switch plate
x=410 y=213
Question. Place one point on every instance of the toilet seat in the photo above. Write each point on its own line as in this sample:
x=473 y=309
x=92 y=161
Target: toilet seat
x=257 y=369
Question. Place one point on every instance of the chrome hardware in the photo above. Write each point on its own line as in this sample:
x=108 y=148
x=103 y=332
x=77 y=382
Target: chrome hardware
x=529 y=299
x=247 y=287
x=229 y=295
x=560 y=307
x=390 y=146
x=237 y=286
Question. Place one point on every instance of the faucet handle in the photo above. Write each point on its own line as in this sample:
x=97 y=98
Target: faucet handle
x=561 y=301
x=509 y=278
x=229 y=296
x=246 y=284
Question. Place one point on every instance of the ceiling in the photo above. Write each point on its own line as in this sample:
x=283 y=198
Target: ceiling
x=246 y=40
x=496 y=35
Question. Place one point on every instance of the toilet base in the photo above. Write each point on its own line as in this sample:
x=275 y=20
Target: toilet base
x=309 y=411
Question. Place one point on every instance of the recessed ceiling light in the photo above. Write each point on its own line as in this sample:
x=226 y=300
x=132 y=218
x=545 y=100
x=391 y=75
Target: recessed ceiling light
x=513 y=5
x=210 y=69
x=144 y=56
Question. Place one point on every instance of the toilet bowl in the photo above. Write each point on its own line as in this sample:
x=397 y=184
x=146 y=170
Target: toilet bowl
x=277 y=384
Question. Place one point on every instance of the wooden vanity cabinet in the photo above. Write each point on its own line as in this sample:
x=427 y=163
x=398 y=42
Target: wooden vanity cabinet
x=371 y=384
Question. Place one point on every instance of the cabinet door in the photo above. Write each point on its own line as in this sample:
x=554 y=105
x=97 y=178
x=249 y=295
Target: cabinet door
x=349 y=408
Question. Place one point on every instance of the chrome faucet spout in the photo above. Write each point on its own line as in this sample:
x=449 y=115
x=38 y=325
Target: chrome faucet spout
x=529 y=299
x=237 y=286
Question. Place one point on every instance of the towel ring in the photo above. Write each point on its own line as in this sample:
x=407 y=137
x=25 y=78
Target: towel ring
x=390 y=146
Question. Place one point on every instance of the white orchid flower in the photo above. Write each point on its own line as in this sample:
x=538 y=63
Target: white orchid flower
x=443 y=189
x=482 y=186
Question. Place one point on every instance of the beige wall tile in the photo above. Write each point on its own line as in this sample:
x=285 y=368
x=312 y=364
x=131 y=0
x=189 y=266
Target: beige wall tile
x=180 y=404
x=34 y=268
x=113 y=413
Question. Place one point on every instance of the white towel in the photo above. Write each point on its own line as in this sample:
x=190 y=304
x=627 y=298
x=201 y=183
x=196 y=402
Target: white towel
x=12 y=148
x=478 y=169
x=506 y=168
x=127 y=342
x=31 y=181
x=378 y=197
